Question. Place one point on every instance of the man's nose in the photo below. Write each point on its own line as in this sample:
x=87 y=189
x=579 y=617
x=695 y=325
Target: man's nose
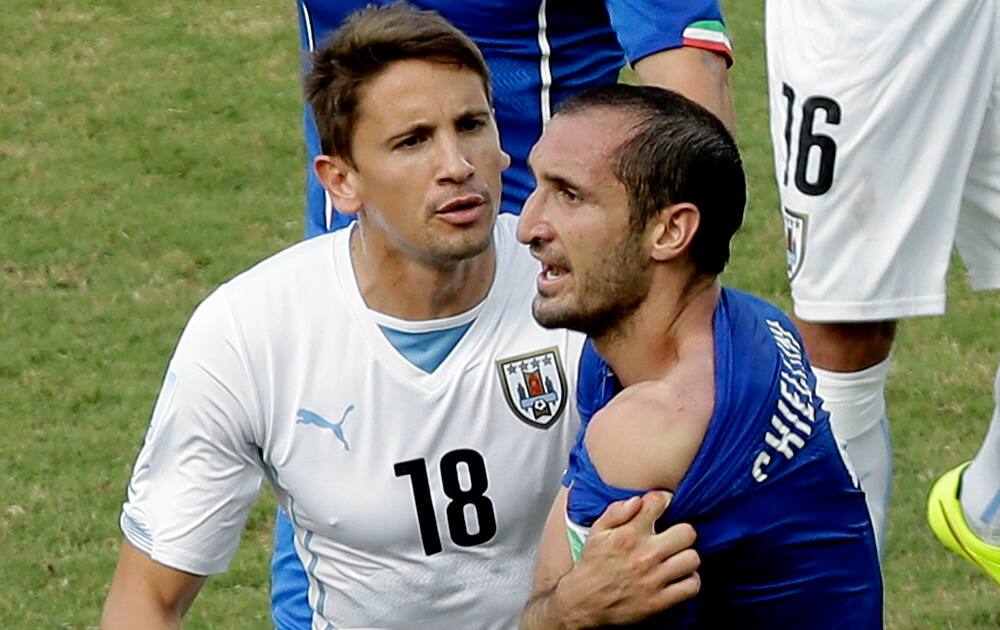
x=455 y=165
x=531 y=225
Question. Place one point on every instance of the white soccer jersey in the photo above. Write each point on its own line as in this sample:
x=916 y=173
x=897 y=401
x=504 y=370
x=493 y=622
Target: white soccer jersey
x=416 y=498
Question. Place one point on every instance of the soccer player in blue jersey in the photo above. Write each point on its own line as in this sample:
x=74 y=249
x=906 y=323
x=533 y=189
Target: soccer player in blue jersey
x=540 y=52
x=705 y=391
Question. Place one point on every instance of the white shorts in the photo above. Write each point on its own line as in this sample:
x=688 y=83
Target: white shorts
x=885 y=121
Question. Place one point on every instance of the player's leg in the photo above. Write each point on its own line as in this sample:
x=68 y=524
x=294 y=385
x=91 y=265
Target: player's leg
x=964 y=504
x=851 y=362
x=978 y=240
x=316 y=21
x=980 y=495
x=317 y=215
x=868 y=124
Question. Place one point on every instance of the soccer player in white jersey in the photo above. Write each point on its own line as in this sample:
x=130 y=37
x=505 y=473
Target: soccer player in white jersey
x=885 y=121
x=387 y=380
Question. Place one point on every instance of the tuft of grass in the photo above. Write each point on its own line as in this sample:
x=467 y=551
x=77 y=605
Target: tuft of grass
x=149 y=151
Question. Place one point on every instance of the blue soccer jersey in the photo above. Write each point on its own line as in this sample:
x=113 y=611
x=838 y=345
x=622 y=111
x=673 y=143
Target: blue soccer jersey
x=538 y=53
x=783 y=531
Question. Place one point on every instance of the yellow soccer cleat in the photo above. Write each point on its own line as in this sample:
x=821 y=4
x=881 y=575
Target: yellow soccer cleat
x=944 y=513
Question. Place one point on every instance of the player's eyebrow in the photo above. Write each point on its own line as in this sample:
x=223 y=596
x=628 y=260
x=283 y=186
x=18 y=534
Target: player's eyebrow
x=562 y=181
x=416 y=128
x=421 y=127
x=475 y=112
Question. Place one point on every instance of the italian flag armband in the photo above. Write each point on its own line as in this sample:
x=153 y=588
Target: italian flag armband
x=710 y=35
x=577 y=535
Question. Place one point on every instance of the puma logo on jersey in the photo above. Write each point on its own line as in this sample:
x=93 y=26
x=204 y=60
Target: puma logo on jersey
x=308 y=417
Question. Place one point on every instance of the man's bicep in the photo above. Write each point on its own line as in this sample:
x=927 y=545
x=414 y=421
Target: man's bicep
x=145 y=593
x=554 y=559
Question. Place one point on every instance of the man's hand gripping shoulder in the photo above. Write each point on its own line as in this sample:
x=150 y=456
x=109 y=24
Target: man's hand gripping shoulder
x=646 y=437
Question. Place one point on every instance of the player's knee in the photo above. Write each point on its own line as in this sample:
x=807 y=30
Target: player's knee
x=847 y=346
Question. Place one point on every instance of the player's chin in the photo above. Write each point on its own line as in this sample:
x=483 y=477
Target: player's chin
x=463 y=246
x=551 y=312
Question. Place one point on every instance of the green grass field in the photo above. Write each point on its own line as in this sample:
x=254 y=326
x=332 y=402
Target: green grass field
x=149 y=151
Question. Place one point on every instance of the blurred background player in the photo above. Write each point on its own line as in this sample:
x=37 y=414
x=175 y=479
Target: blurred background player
x=886 y=135
x=706 y=392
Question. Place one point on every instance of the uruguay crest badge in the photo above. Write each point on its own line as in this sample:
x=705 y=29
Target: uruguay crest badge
x=795 y=240
x=534 y=385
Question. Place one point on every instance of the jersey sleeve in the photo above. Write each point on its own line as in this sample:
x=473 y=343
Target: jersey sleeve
x=590 y=396
x=587 y=499
x=199 y=469
x=645 y=27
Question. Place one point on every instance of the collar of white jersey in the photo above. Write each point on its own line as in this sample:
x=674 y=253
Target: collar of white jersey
x=484 y=316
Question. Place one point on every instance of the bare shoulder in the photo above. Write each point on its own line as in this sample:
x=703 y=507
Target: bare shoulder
x=649 y=434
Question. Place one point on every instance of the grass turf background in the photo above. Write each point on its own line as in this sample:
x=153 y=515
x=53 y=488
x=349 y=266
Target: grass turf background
x=149 y=151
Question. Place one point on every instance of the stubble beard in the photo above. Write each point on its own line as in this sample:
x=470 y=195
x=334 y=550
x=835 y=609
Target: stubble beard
x=605 y=298
x=451 y=249
x=446 y=251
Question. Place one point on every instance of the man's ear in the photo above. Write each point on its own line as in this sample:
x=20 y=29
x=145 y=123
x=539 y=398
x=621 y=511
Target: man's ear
x=672 y=231
x=340 y=180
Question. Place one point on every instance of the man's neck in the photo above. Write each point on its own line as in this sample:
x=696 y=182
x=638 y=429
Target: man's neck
x=399 y=285
x=675 y=319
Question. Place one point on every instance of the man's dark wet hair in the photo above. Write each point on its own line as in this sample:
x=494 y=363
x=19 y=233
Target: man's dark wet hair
x=677 y=151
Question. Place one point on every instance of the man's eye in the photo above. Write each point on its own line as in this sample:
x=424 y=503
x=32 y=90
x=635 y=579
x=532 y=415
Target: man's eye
x=471 y=124
x=569 y=195
x=409 y=142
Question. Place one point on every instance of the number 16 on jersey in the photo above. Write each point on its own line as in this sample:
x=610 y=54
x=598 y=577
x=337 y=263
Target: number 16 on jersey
x=810 y=143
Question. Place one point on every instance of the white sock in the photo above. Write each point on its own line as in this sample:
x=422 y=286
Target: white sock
x=980 y=494
x=856 y=402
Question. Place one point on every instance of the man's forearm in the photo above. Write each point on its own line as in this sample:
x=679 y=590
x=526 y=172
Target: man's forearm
x=538 y=616
x=146 y=594
x=626 y=573
x=136 y=614
x=699 y=74
x=546 y=611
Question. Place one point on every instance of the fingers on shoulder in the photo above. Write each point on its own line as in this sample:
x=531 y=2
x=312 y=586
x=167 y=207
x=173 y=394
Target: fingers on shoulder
x=678 y=536
x=678 y=591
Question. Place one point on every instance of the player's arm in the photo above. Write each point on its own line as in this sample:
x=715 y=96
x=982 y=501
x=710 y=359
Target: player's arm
x=701 y=75
x=147 y=594
x=646 y=438
x=554 y=560
x=680 y=45
x=626 y=572
x=194 y=480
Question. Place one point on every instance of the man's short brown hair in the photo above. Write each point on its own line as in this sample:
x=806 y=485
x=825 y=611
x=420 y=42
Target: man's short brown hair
x=676 y=151
x=368 y=42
